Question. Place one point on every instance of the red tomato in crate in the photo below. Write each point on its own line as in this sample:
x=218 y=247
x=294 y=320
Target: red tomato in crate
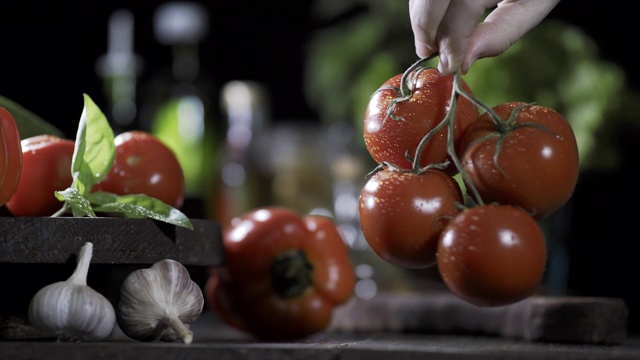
x=46 y=168
x=145 y=165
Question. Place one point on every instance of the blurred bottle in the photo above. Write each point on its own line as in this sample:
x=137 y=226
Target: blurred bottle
x=297 y=155
x=244 y=178
x=180 y=103
x=119 y=69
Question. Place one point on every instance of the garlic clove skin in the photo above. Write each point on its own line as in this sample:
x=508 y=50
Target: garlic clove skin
x=159 y=303
x=72 y=310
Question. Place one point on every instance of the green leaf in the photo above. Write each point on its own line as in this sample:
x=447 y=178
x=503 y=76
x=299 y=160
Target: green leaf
x=101 y=197
x=94 y=151
x=138 y=206
x=80 y=206
x=29 y=124
x=93 y=158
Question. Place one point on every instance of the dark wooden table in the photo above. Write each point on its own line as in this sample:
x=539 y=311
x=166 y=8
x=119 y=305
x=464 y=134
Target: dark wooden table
x=213 y=340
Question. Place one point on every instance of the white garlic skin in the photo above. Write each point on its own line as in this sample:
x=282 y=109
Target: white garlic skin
x=159 y=303
x=64 y=309
x=71 y=309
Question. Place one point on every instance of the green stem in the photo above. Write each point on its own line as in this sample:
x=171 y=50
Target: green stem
x=457 y=90
x=63 y=210
x=405 y=90
x=423 y=142
x=500 y=123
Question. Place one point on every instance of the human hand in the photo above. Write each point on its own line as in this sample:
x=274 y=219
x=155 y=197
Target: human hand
x=454 y=28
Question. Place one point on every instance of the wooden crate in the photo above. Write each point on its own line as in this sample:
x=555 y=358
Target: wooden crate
x=38 y=251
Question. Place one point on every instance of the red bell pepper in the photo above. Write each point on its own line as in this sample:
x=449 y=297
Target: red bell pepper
x=10 y=156
x=283 y=276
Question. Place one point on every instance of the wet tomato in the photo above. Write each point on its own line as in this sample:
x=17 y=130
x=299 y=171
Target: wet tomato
x=145 y=165
x=393 y=129
x=492 y=255
x=46 y=168
x=530 y=161
x=402 y=214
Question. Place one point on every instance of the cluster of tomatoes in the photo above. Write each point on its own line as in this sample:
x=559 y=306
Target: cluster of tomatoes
x=517 y=163
x=32 y=169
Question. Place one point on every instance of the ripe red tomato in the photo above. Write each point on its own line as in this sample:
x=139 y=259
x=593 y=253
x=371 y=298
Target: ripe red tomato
x=10 y=156
x=492 y=255
x=145 y=165
x=402 y=214
x=46 y=168
x=527 y=166
x=390 y=138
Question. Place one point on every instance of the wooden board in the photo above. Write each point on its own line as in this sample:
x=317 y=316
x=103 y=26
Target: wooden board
x=212 y=340
x=49 y=240
x=568 y=319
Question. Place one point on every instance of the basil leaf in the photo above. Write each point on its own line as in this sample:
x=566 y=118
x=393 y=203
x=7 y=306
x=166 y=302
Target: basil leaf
x=95 y=150
x=93 y=158
x=101 y=197
x=80 y=206
x=29 y=124
x=138 y=205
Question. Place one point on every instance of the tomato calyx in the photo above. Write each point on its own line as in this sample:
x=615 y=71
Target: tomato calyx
x=504 y=127
x=406 y=89
x=292 y=273
x=406 y=92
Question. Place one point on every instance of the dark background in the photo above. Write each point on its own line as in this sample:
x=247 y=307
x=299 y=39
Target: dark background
x=48 y=52
x=49 y=49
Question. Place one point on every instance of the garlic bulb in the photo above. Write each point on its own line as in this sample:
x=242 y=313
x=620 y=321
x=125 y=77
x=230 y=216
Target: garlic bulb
x=72 y=310
x=159 y=303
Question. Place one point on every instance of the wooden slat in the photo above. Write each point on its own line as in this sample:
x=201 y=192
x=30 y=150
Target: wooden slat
x=115 y=240
x=568 y=319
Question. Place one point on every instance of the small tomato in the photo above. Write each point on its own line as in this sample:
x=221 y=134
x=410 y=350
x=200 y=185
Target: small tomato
x=145 y=165
x=46 y=168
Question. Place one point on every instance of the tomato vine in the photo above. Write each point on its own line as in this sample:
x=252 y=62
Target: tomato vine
x=518 y=162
